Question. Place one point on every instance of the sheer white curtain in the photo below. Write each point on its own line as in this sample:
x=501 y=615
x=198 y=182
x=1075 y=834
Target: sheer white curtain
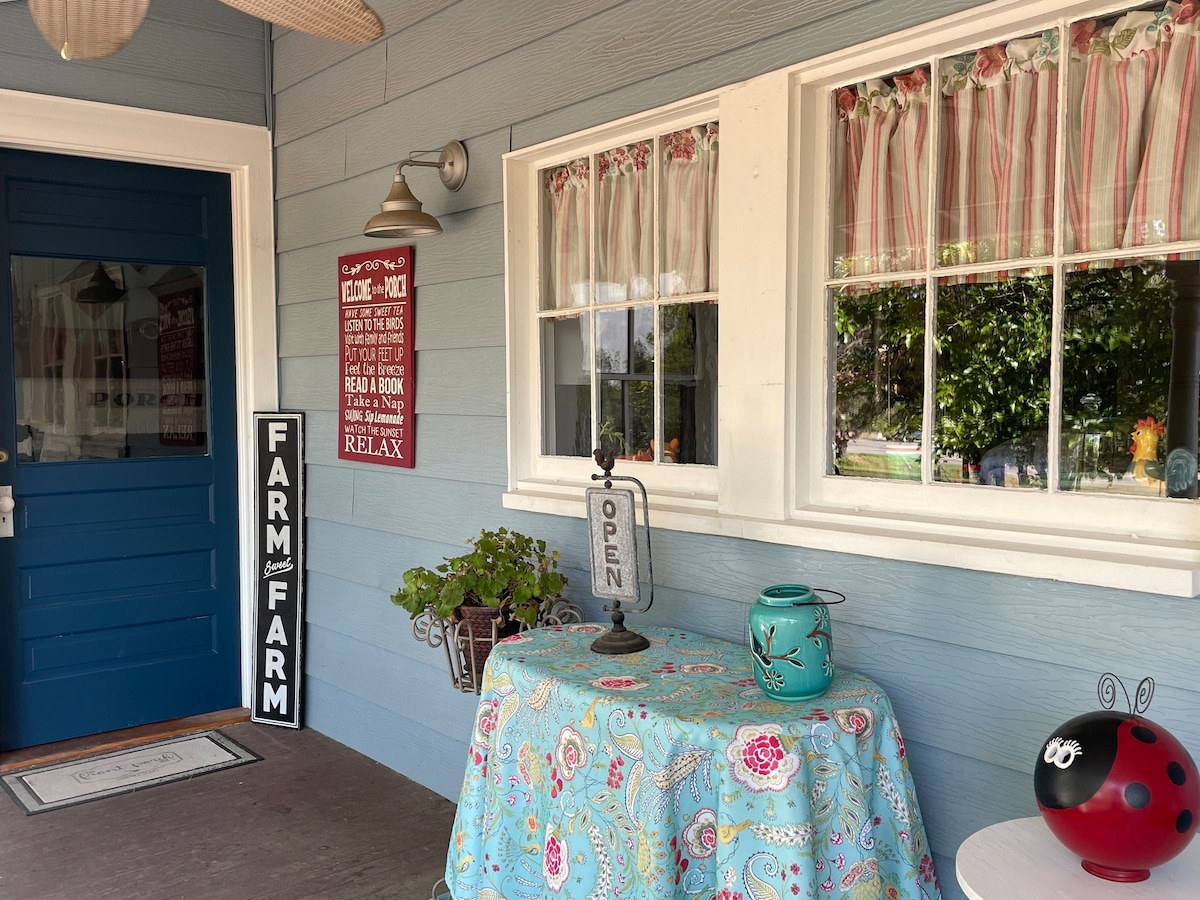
x=1134 y=138
x=625 y=223
x=565 y=218
x=689 y=201
x=880 y=154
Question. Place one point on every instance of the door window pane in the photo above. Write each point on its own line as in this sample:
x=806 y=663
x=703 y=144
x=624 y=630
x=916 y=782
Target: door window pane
x=109 y=359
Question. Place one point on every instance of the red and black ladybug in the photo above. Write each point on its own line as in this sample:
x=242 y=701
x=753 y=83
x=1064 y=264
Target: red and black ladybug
x=1118 y=790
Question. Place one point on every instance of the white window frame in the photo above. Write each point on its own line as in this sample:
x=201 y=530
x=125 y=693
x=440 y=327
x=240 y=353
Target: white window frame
x=555 y=483
x=774 y=399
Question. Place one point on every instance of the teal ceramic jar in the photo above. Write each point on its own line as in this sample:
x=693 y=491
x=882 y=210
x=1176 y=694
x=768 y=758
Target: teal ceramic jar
x=791 y=641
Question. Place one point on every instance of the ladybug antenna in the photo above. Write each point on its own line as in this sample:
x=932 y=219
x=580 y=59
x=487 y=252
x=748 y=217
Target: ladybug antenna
x=1143 y=695
x=1106 y=689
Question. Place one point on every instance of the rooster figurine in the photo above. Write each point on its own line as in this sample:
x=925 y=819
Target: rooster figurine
x=1147 y=470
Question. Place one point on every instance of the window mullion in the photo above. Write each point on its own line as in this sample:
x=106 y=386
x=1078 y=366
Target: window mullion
x=593 y=243
x=1054 y=426
x=656 y=286
x=931 y=207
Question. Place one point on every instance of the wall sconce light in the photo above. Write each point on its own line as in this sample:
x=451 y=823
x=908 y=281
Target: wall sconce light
x=401 y=215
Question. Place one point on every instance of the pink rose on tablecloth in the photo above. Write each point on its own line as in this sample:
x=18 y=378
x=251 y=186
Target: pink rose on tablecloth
x=700 y=835
x=759 y=760
x=1187 y=12
x=571 y=752
x=703 y=669
x=555 y=867
x=618 y=683
x=856 y=720
x=486 y=719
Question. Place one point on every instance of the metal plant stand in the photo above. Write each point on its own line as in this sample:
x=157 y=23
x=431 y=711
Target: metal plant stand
x=460 y=640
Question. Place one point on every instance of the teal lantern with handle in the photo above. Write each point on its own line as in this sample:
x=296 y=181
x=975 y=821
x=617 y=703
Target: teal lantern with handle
x=791 y=641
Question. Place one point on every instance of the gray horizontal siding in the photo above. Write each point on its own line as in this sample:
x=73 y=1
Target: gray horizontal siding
x=980 y=668
x=198 y=58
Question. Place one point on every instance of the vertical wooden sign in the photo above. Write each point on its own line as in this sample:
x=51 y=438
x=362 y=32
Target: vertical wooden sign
x=375 y=299
x=279 y=597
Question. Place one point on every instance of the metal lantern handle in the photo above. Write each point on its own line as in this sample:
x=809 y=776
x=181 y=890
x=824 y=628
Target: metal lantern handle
x=841 y=598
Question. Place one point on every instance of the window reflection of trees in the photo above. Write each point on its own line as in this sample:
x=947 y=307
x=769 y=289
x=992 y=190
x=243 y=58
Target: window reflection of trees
x=993 y=348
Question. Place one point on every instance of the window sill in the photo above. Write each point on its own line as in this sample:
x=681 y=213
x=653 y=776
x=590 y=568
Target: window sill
x=1113 y=561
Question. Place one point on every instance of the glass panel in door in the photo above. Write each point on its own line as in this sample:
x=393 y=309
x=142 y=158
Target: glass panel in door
x=110 y=359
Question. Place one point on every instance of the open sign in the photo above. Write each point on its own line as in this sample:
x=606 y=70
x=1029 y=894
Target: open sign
x=611 y=524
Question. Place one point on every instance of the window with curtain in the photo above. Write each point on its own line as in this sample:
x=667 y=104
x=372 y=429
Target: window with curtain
x=628 y=300
x=1012 y=262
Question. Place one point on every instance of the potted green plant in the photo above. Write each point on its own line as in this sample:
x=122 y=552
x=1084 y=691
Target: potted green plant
x=504 y=570
x=506 y=579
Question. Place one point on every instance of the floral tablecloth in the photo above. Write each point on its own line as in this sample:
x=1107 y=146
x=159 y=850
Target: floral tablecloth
x=669 y=774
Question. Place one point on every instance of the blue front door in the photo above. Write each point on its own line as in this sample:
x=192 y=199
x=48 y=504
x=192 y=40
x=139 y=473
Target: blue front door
x=119 y=599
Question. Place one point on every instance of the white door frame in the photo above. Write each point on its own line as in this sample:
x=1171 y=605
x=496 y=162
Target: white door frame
x=84 y=128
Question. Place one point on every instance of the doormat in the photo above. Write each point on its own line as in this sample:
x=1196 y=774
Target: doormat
x=54 y=786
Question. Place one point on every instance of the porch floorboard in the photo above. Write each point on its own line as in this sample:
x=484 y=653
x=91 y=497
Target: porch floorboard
x=313 y=819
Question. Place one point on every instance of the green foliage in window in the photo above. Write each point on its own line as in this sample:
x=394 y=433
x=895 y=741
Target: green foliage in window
x=993 y=350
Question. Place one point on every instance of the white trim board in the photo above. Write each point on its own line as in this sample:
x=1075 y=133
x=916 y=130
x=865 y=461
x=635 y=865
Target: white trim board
x=104 y=131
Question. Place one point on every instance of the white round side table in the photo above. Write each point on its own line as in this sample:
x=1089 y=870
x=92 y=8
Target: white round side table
x=1022 y=858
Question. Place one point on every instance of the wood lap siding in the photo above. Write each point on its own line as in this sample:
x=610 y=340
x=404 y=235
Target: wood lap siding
x=980 y=667
x=196 y=57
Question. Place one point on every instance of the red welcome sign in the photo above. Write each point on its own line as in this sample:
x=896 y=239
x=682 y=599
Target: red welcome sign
x=375 y=298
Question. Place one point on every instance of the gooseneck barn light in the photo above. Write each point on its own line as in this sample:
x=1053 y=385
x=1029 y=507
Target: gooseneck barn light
x=400 y=213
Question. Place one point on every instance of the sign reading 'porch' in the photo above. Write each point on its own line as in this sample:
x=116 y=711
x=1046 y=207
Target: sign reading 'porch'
x=279 y=597
x=375 y=296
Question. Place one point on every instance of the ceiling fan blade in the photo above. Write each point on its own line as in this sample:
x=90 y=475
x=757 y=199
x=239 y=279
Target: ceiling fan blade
x=342 y=20
x=88 y=29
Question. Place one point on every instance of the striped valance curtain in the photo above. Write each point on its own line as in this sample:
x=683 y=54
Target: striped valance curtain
x=880 y=169
x=1132 y=149
x=1133 y=174
x=625 y=221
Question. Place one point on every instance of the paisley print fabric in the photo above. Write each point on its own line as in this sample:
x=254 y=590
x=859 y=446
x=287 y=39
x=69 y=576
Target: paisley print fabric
x=669 y=774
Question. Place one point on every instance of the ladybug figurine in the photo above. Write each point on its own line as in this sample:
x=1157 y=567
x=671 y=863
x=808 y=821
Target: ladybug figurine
x=1117 y=789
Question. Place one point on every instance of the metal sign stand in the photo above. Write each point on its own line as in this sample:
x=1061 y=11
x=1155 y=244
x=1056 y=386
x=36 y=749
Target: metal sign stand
x=612 y=532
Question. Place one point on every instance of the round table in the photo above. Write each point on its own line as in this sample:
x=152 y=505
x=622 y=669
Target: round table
x=1021 y=858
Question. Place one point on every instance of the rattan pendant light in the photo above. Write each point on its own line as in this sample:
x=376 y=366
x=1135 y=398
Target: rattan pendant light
x=88 y=29
x=340 y=20
x=93 y=29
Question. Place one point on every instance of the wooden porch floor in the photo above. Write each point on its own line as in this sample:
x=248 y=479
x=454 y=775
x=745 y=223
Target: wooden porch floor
x=313 y=819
